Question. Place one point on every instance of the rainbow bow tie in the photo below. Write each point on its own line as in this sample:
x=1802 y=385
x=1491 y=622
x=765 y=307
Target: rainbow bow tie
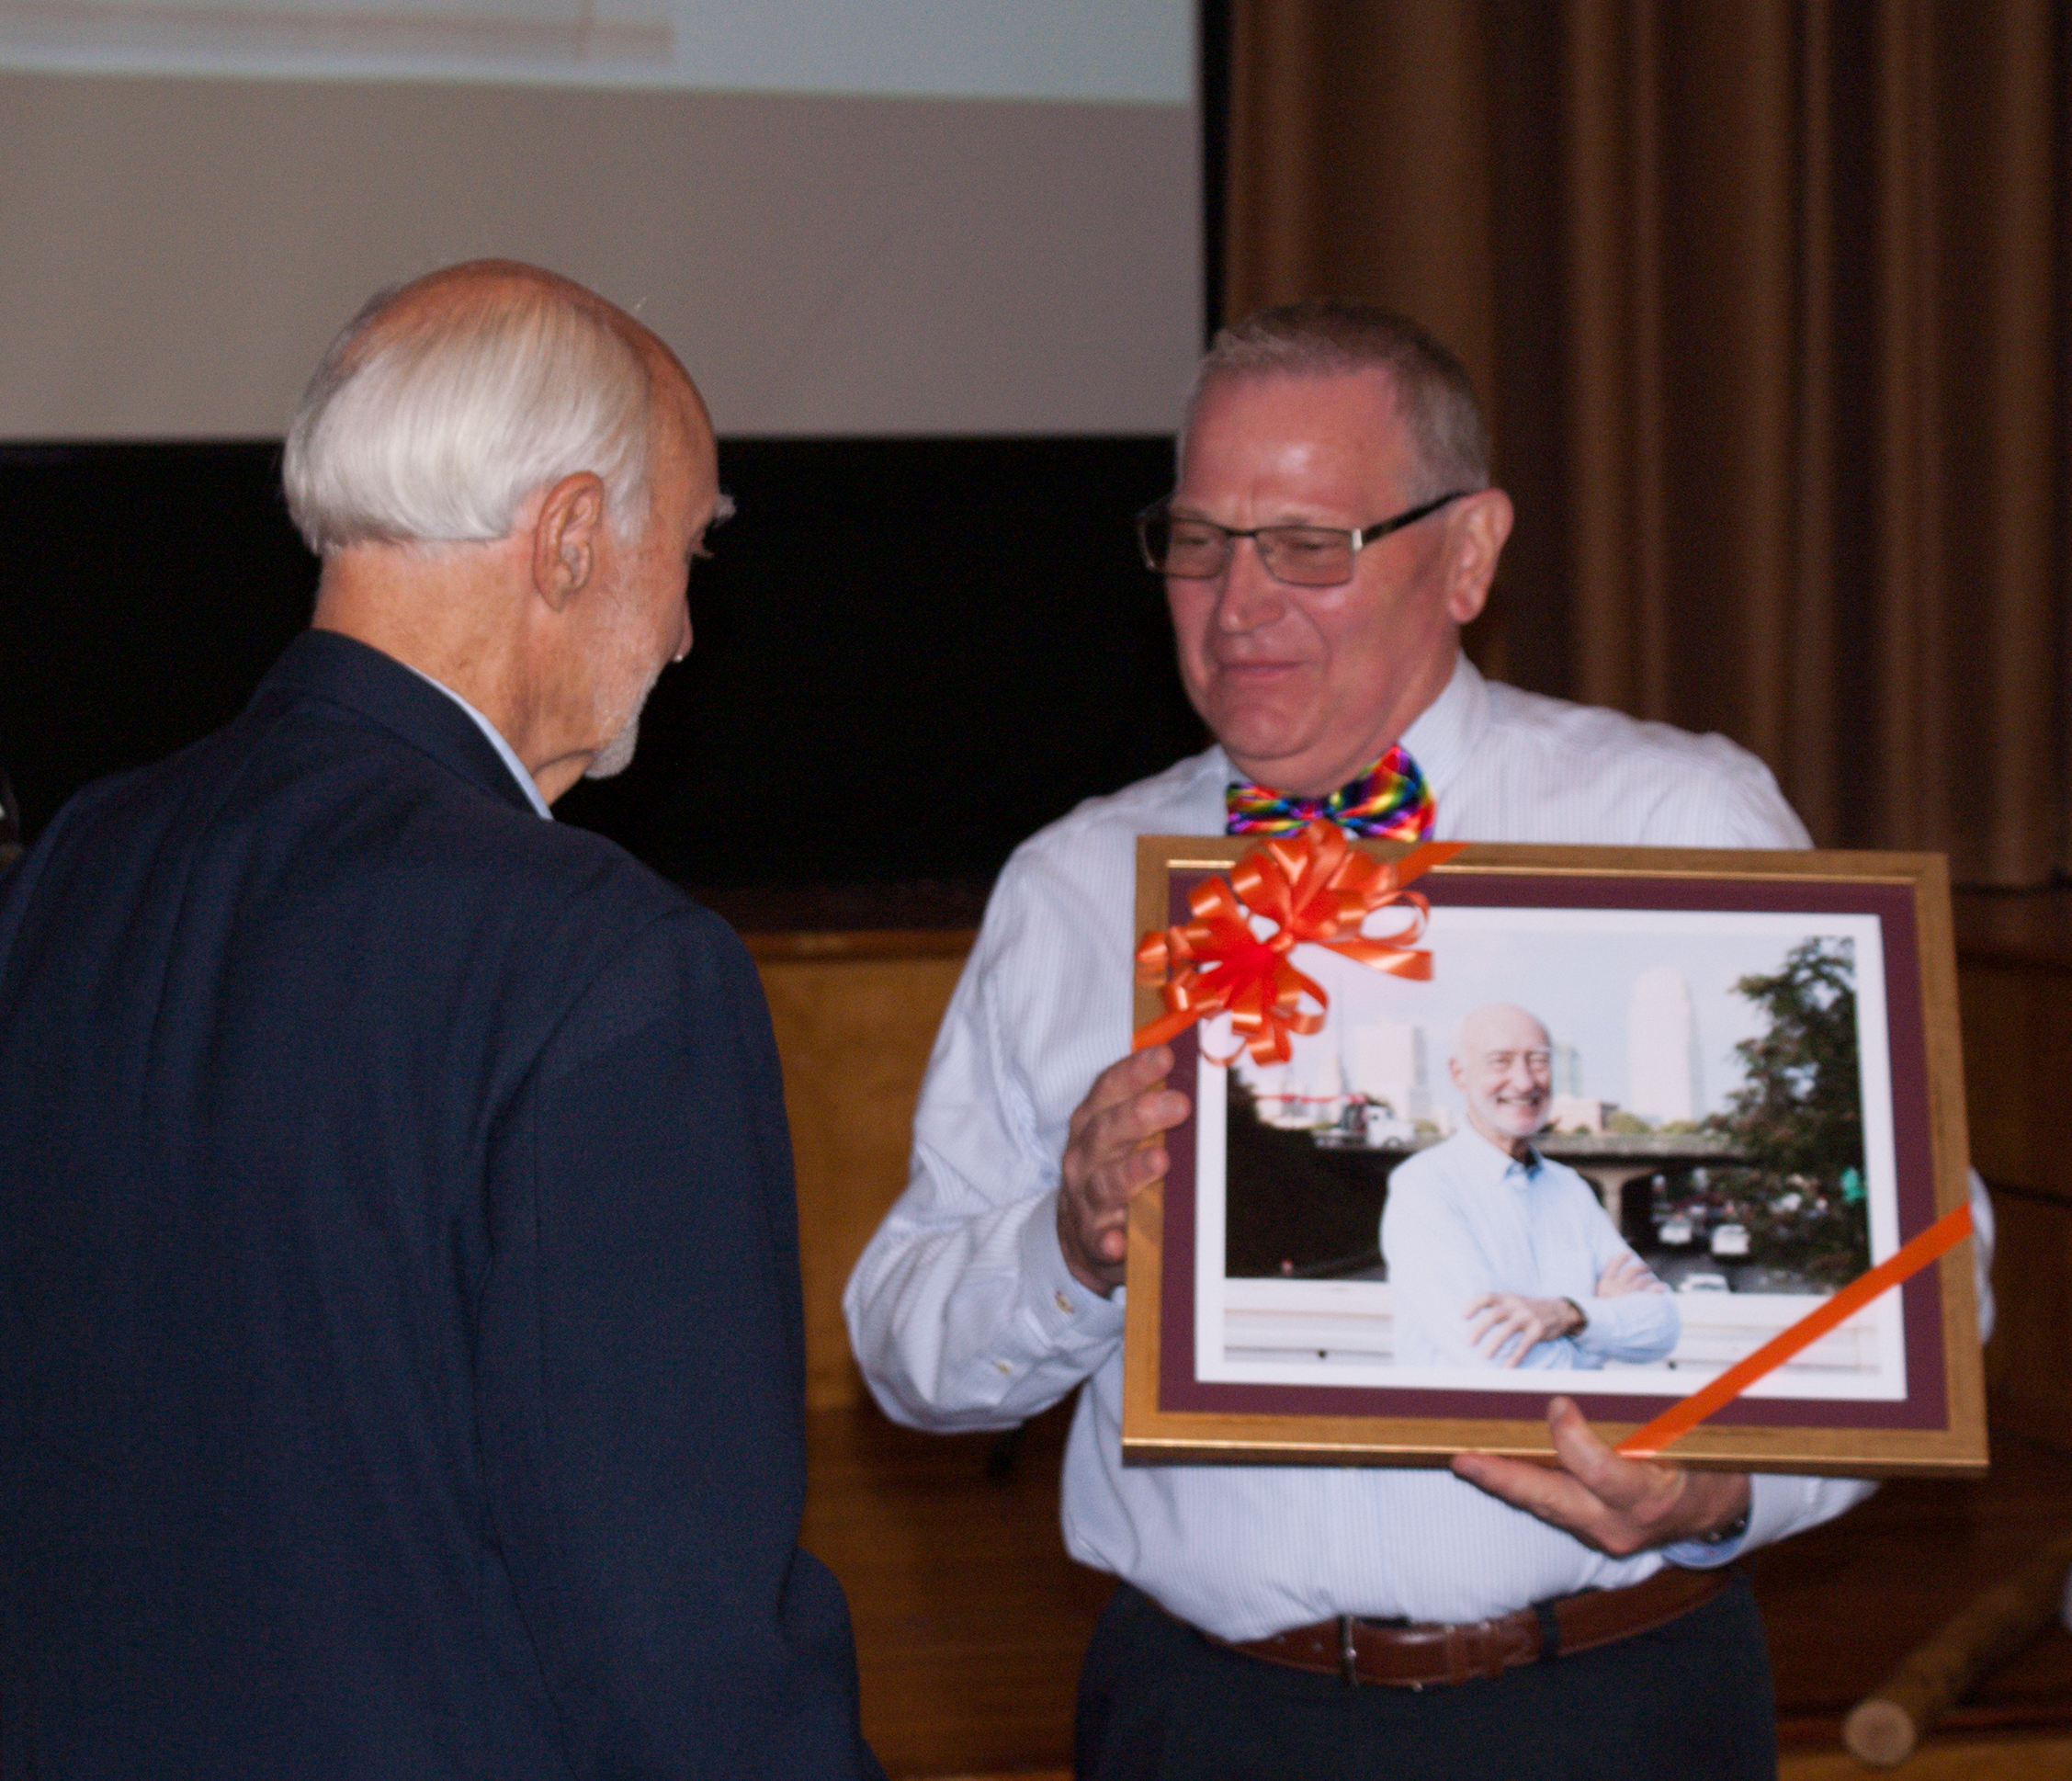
x=1389 y=800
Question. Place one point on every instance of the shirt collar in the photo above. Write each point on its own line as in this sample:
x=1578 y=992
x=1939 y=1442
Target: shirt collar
x=503 y=749
x=1441 y=739
x=1487 y=1160
x=1443 y=736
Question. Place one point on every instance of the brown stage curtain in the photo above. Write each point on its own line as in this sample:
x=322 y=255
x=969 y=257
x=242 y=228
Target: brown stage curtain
x=1767 y=300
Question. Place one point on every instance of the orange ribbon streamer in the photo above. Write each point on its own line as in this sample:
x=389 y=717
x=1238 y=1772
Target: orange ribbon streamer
x=1680 y=1419
x=1316 y=887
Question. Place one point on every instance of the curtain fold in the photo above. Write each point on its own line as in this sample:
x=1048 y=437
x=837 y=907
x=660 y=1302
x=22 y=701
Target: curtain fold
x=1767 y=299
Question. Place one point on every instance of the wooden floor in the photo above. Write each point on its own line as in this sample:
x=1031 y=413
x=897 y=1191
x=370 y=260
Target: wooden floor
x=2012 y=1756
x=2029 y=1758
x=970 y=1620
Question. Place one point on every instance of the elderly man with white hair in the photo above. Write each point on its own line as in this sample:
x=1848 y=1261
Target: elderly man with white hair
x=1497 y=1255
x=399 y=1349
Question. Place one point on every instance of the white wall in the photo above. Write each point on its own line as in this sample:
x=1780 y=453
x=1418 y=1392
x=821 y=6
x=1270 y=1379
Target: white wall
x=176 y=251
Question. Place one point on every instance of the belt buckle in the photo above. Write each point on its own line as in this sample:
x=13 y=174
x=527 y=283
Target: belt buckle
x=1348 y=1658
x=1473 y=1650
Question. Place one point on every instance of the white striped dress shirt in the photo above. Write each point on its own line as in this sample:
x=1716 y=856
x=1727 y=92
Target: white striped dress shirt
x=964 y=1316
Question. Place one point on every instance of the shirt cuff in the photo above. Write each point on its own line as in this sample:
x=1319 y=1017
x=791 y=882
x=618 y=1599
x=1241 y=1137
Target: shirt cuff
x=1067 y=1315
x=1774 y=1507
x=1620 y=1328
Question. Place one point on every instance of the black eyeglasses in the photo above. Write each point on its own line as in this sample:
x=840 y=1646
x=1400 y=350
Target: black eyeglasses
x=1303 y=556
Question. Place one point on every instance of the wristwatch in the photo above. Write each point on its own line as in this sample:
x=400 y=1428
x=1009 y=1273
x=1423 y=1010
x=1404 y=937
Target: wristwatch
x=1732 y=1531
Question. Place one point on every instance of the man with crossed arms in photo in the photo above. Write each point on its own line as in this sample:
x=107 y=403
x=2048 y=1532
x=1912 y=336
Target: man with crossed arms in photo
x=1497 y=1256
x=1331 y=531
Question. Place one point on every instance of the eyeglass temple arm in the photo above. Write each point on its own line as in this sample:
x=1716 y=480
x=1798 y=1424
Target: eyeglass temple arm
x=1383 y=527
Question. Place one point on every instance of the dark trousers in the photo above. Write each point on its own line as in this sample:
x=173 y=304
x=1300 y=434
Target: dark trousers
x=1690 y=1701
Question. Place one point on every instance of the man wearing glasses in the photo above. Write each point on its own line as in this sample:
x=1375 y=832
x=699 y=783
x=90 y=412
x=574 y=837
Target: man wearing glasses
x=1332 y=529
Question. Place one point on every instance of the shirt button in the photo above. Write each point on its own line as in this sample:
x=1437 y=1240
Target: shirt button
x=1064 y=1304
x=1003 y=1366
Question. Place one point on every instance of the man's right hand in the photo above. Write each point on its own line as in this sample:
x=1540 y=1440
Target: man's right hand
x=1114 y=1152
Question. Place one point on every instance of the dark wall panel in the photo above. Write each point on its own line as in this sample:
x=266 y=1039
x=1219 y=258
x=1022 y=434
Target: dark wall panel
x=910 y=652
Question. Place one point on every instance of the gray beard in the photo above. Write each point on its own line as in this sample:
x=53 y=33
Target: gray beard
x=616 y=756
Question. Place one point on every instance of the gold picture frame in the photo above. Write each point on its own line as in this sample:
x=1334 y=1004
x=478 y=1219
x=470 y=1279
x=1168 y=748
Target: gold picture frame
x=1219 y=1366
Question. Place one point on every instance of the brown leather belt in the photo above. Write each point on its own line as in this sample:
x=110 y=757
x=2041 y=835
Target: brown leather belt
x=1412 y=1656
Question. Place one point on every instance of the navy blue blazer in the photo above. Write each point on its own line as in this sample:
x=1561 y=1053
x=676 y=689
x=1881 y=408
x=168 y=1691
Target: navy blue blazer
x=401 y=1367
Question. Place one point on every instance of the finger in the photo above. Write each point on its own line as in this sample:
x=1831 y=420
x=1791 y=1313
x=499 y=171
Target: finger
x=1538 y=1490
x=1616 y=1504
x=1135 y=1073
x=1097 y=1201
x=1612 y=1479
x=1117 y=1151
x=1121 y=1082
x=1120 y=1128
x=1480 y=1318
x=1108 y=1181
x=1533 y=1330
x=1555 y=1493
x=1502 y=1333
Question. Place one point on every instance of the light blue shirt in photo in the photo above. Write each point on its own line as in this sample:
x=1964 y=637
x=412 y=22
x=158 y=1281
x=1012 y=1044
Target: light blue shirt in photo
x=1464 y=1219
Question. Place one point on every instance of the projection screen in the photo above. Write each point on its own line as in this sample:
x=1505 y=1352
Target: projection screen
x=900 y=218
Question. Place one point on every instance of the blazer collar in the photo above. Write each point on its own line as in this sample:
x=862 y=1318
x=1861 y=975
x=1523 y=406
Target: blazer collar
x=325 y=665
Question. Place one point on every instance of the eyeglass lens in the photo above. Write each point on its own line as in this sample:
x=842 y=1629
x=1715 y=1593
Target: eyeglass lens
x=1309 y=556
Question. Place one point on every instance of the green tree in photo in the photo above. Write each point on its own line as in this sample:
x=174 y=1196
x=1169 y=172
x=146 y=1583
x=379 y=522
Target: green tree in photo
x=1799 y=1118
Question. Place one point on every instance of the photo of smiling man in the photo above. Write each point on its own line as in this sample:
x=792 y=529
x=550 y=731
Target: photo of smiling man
x=1498 y=1257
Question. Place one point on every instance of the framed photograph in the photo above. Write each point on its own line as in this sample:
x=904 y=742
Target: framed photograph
x=1604 y=1122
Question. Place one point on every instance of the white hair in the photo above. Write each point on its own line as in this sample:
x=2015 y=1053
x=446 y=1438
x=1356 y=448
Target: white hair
x=440 y=428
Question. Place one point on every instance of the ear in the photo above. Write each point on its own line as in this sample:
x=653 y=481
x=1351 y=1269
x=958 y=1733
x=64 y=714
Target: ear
x=565 y=537
x=1479 y=530
x=1457 y=1073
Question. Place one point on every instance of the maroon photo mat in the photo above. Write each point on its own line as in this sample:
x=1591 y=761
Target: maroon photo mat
x=1926 y=1403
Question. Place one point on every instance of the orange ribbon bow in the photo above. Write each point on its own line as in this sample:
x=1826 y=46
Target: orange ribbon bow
x=1315 y=887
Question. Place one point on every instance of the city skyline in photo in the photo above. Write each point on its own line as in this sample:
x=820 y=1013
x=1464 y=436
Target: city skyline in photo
x=1611 y=996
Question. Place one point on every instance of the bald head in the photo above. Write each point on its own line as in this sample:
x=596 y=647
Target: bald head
x=446 y=403
x=1503 y=1066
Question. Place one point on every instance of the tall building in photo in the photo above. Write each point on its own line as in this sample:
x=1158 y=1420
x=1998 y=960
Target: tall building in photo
x=1324 y=1085
x=1566 y=1065
x=1385 y=1061
x=1662 y=1048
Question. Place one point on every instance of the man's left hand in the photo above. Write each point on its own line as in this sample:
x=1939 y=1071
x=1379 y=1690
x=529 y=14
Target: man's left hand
x=1618 y=1505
